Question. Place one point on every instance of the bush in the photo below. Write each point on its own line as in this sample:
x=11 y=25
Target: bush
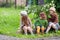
x=57 y=3
x=5 y=5
x=36 y=9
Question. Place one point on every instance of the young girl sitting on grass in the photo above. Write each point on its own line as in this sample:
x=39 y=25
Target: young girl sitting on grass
x=53 y=20
x=41 y=23
x=26 y=24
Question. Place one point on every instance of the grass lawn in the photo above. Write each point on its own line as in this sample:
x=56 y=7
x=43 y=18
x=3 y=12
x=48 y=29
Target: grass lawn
x=9 y=23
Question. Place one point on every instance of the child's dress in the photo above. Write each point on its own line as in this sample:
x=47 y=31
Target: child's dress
x=41 y=22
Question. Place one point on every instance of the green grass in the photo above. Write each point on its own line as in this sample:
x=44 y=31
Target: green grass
x=9 y=23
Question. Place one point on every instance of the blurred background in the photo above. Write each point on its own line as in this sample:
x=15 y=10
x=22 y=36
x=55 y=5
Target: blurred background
x=16 y=3
x=10 y=14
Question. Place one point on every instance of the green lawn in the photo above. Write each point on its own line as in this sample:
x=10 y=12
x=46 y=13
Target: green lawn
x=9 y=23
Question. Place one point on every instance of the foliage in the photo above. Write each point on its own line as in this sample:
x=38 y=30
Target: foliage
x=48 y=1
x=57 y=3
x=36 y=9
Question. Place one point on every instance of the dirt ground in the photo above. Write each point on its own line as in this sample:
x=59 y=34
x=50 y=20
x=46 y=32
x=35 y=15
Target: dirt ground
x=3 y=37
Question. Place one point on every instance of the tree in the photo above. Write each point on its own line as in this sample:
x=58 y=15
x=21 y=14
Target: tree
x=15 y=3
x=48 y=1
x=57 y=3
x=6 y=1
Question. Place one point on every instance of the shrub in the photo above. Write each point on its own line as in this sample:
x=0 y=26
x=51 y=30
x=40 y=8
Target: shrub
x=35 y=9
x=57 y=3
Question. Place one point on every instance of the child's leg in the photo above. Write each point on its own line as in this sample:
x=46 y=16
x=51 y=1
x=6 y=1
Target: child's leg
x=38 y=29
x=30 y=30
x=58 y=26
x=20 y=30
x=42 y=29
x=25 y=29
x=49 y=27
x=54 y=26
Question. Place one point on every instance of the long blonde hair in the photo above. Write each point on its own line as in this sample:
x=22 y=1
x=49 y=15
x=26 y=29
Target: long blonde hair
x=25 y=20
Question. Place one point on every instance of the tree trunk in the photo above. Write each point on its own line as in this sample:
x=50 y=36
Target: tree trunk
x=6 y=1
x=15 y=3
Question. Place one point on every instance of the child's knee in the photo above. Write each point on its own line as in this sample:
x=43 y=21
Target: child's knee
x=24 y=28
x=29 y=28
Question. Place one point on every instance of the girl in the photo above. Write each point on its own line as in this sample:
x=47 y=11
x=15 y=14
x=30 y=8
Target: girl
x=41 y=22
x=53 y=20
x=25 y=23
